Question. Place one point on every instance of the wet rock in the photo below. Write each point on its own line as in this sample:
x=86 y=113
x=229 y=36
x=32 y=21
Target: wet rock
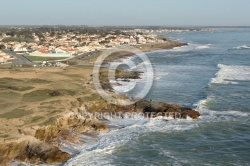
x=32 y=151
x=40 y=153
x=164 y=109
x=189 y=112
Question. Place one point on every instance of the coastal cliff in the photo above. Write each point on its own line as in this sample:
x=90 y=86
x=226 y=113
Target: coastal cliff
x=41 y=145
x=58 y=106
x=32 y=151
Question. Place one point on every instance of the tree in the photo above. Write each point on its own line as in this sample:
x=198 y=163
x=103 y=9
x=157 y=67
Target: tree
x=79 y=39
x=52 y=34
x=2 y=46
x=164 y=39
x=11 y=33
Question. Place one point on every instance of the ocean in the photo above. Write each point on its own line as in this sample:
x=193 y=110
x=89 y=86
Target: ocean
x=211 y=75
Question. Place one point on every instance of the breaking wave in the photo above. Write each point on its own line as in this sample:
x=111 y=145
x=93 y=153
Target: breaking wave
x=231 y=74
x=241 y=47
x=132 y=129
x=203 y=47
x=190 y=47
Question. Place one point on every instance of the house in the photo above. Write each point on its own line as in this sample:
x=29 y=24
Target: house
x=73 y=43
x=132 y=41
x=61 y=50
x=20 y=49
x=67 y=50
x=141 y=40
x=3 y=60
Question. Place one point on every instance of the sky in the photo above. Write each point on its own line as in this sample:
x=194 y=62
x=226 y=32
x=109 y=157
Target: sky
x=126 y=12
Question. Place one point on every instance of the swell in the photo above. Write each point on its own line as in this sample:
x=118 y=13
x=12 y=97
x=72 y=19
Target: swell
x=231 y=74
x=240 y=47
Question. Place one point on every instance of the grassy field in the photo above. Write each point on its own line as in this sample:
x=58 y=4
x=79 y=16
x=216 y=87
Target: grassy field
x=37 y=97
x=39 y=58
x=17 y=113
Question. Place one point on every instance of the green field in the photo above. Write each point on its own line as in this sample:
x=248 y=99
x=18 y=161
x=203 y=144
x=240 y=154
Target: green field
x=39 y=58
x=17 y=113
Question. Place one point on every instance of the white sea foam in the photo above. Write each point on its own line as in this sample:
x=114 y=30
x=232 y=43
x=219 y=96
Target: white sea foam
x=190 y=47
x=121 y=86
x=159 y=75
x=111 y=141
x=241 y=47
x=231 y=74
x=101 y=152
x=202 y=104
x=203 y=47
x=202 y=107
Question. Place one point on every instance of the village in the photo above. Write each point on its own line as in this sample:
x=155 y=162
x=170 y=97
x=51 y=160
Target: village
x=57 y=44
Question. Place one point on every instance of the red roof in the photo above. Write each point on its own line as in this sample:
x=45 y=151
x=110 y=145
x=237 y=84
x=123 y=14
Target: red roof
x=42 y=50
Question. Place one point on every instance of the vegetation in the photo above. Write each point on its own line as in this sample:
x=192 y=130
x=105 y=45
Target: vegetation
x=17 y=113
x=39 y=58
x=37 y=95
x=38 y=81
x=2 y=46
x=17 y=39
x=8 y=94
x=36 y=119
x=51 y=121
x=8 y=80
x=72 y=63
x=16 y=88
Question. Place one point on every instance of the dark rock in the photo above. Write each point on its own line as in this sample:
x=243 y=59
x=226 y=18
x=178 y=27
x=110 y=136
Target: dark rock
x=165 y=109
x=191 y=113
x=32 y=151
x=40 y=153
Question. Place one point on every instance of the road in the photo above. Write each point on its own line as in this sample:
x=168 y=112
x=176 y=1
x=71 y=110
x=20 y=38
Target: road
x=20 y=58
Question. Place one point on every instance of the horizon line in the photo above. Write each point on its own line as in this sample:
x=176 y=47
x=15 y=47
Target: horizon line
x=69 y=25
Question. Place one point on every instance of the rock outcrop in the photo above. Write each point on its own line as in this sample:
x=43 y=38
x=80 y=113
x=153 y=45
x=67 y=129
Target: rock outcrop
x=40 y=145
x=164 y=109
x=150 y=108
x=188 y=112
x=32 y=151
x=68 y=127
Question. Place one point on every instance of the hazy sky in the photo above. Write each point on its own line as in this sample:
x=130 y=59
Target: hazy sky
x=125 y=12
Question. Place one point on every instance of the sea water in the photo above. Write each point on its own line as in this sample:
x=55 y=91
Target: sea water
x=211 y=75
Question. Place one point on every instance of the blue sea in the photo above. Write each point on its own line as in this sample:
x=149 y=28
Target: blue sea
x=211 y=75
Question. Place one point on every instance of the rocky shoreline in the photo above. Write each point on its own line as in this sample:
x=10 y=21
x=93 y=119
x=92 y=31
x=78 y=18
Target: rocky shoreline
x=145 y=48
x=42 y=145
x=90 y=58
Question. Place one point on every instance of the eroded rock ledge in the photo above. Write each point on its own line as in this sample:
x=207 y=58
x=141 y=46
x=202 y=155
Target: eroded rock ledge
x=41 y=145
x=32 y=151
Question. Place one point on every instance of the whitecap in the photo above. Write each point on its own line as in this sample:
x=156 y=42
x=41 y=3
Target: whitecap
x=241 y=47
x=203 y=47
x=190 y=47
x=202 y=107
x=187 y=48
x=231 y=74
x=202 y=104
x=109 y=142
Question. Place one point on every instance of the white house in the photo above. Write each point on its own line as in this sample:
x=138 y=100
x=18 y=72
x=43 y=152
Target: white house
x=59 y=50
x=20 y=48
x=2 y=60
